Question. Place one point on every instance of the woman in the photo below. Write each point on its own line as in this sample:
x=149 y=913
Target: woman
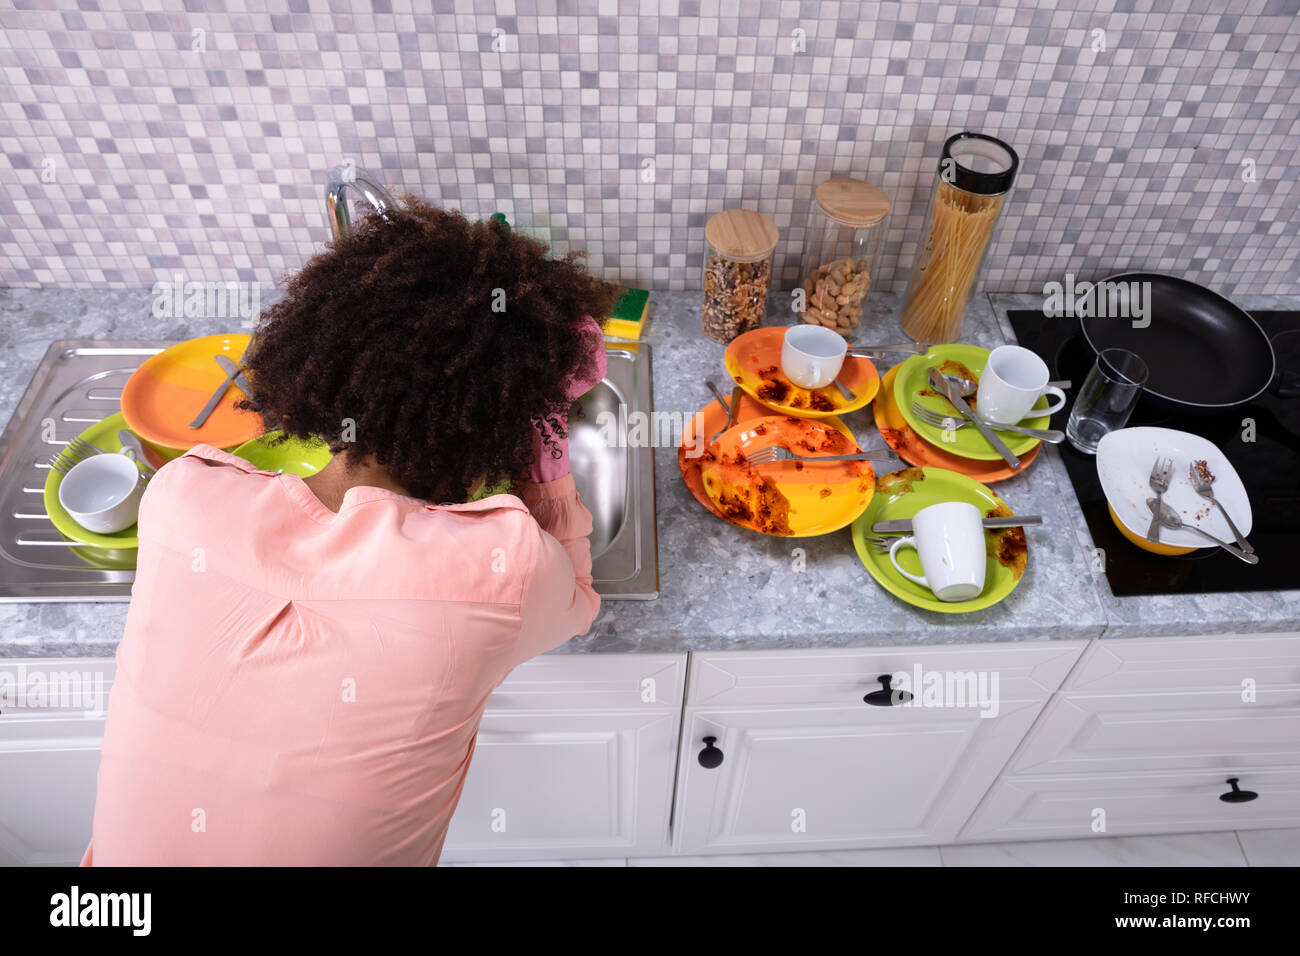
x=306 y=661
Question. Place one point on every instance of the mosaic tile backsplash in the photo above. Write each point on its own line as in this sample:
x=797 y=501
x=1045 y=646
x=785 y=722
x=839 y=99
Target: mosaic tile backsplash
x=144 y=138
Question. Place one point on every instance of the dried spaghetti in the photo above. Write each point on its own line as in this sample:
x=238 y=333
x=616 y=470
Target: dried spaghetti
x=962 y=224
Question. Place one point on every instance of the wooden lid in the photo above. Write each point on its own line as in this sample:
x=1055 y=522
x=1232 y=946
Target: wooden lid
x=743 y=234
x=853 y=202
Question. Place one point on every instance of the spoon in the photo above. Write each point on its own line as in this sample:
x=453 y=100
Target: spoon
x=1169 y=518
x=966 y=388
x=845 y=391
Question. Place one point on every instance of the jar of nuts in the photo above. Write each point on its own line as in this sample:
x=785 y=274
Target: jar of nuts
x=843 y=236
x=737 y=272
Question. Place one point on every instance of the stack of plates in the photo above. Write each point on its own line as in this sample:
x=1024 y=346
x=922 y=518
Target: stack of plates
x=965 y=450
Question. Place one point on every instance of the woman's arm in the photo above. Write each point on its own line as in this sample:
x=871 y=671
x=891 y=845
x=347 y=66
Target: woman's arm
x=559 y=601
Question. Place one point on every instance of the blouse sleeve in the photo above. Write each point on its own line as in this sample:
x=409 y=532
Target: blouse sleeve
x=559 y=601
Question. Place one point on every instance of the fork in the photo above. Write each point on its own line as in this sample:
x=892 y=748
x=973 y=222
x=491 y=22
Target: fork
x=75 y=452
x=877 y=543
x=1205 y=488
x=956 y=421
x=765 y=456
x=1159 y=482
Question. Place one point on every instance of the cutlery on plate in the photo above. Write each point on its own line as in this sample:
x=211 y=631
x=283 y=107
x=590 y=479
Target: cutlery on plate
x=904 y=525
x=1159 y=482
x=845 y=390
x=1205 y=488
x=966 y=388
x=945 y=389
x=1168 y=517
x=75 y=452
x=765 y=456
x=129 y=440
x=874 y=351
x=214 y=400
x=229 y=367
x=736 y=394
x=940 y=420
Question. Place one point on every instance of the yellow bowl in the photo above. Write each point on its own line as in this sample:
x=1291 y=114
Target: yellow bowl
x=1143 y=543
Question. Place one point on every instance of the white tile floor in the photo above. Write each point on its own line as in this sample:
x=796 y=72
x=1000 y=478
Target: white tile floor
x=1244 y=848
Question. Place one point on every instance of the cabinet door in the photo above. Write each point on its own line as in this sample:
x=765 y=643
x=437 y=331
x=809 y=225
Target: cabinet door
x=51 y=730
x=575 y=758
x=838 y=777
x=1122 y=804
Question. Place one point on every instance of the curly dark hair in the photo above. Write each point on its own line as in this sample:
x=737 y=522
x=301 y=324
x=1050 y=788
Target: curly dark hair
x=393 y=327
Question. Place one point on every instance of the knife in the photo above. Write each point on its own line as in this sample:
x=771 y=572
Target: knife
x=214 y=400
x=905 y=524
x=229 y=367
x=940 y=382
x=873 y=351
x=736 y=394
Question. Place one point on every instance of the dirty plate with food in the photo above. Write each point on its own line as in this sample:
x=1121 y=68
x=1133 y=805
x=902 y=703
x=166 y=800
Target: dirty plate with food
x=964 y=361
x=789 y=499
x=693 y=452
x=168 y=391
x=904 y=493
x=915 y=450
x=754 y=363
x=292 y=456
x=1124 y=460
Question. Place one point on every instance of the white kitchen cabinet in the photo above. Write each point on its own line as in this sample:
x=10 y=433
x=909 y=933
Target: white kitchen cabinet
x=575 y=758
x=805 y=763
x=1064 y=806
x=51 y=729
x=1143 y=736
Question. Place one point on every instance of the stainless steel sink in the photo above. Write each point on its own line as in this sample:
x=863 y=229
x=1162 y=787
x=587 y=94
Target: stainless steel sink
x=80 y=382
x=616 y=482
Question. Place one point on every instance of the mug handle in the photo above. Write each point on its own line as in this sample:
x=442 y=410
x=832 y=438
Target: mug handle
x=910 y=542
x=1050 y=409
x=129 y=453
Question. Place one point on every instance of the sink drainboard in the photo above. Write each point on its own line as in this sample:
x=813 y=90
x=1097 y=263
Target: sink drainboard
x=79 y=382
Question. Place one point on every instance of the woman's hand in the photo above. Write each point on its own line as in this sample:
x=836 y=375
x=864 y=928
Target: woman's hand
x=546 y=466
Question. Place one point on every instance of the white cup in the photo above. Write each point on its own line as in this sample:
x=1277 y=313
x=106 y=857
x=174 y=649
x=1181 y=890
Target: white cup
x=102 y=493
x=812 y=355
x=1012 y=382
x=949 y=539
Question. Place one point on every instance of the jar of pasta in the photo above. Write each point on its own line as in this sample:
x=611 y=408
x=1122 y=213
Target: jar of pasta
x=975 y=173
x=737 y=272
x=839 y=258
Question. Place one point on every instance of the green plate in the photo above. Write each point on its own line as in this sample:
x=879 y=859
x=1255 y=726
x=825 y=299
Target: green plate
x=103 y=435
x=913 y=379
x=297 y=457
x=902 y=495
x=294 y=457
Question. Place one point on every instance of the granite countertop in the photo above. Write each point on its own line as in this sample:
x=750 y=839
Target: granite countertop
x=721 y=587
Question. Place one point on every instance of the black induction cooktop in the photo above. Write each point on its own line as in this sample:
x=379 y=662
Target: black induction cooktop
x=1269 y=467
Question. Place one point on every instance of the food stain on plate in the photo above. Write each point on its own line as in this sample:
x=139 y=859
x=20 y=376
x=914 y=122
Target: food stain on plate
x=1008 y=546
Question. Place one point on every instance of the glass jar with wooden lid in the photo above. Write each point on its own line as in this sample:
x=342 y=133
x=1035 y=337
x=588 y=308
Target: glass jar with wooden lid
x=737 y=272
x=839 y=257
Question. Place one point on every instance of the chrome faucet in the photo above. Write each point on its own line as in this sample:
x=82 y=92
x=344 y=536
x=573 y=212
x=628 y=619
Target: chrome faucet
x=338 y=181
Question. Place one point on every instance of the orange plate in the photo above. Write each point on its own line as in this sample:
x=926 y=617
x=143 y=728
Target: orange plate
x=915 y=450
x=164 y=395
x=790 y=499
x=708 y=420
x=753 y=361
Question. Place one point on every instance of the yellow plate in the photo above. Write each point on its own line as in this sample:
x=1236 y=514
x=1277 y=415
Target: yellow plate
x=788 y=499
x=165 y=394
x=1143 y=543
x=753 y=361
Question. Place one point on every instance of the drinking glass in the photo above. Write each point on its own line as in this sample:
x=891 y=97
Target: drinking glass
x=1107 y=399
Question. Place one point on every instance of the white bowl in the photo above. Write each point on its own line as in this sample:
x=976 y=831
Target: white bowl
x=1124 y=460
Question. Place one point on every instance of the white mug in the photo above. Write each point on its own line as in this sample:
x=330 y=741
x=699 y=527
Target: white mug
x=949 y=539
x=1012 y=382
x=102 y=493
x=812 y=355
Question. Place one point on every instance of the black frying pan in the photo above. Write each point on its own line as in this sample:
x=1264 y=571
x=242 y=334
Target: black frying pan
x=1204 y=353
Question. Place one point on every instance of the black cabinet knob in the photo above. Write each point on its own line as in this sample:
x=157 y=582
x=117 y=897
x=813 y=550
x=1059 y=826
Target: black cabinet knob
x=710 y=756
x=1236 y=795
x=887 y=697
